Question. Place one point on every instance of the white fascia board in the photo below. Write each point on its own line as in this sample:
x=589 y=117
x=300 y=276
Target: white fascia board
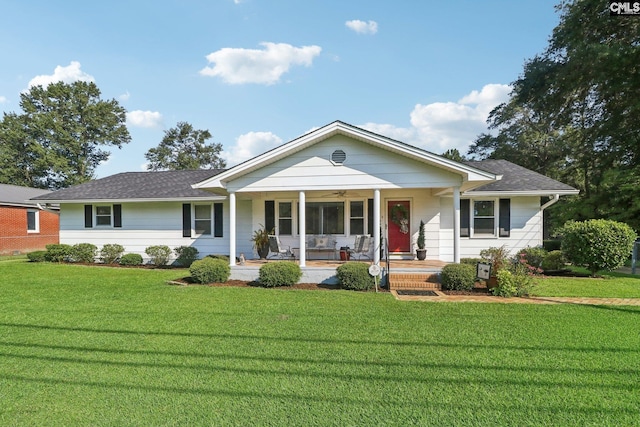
x=175 y=199
x=519 y=193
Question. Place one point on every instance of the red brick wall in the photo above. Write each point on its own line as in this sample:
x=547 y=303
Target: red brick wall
x=13 y=230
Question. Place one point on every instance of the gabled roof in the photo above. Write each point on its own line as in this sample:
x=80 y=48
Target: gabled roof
x=134 y=186
x=517 y=180
x=15 y=195
x=469 y=173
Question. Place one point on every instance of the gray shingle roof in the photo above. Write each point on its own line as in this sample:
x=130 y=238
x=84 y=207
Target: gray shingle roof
x=517 y=178
x=137 y=185
x=16 y=195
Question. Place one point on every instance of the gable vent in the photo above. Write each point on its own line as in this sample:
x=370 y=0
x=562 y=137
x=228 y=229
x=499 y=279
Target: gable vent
x=338 y=157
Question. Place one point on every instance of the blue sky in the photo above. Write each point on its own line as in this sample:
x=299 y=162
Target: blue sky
x=259 y=73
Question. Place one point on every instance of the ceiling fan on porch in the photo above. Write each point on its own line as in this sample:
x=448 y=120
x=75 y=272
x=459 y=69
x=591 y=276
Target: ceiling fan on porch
x=341 y=194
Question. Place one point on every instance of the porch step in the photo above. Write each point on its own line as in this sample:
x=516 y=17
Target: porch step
x=427 y=281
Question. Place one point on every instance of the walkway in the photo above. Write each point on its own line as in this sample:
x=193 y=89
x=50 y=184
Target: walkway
x=441 y=297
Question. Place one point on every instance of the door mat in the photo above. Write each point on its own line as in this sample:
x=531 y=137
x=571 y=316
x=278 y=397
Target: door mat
x=417 y=293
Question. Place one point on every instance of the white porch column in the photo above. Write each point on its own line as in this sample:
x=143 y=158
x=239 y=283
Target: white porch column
x=456 y=224
x=376 y=226
x=303 y=232
x=232 y=229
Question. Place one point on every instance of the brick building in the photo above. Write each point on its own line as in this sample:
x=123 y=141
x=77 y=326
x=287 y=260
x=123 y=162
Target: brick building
x=25 y=225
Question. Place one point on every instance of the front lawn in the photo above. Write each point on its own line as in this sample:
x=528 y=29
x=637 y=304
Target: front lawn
x=104 y=346
x=608 y=285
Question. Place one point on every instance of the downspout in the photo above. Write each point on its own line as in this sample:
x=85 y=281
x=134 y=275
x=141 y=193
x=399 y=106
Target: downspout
x=553 y=201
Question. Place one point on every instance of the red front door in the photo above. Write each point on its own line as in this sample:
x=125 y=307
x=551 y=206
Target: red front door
x=399 y=224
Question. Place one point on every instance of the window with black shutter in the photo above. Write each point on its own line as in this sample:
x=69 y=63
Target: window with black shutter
x=464 y=218
x=504 y=223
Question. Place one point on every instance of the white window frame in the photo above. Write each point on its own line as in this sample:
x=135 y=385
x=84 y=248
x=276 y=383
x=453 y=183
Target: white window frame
x=36 y=214
x=95 y=216
x=292 y=217
x=193 y=220
x=295 y=218
x=362 y=218
x=472 y=219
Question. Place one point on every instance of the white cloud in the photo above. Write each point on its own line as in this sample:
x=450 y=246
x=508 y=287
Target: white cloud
x=125 y=96
x=440 y=126
x=144 y=119
x=266 y=66
x=3 y=99
x=69 y=74
x=362 y=27
x=250 y=145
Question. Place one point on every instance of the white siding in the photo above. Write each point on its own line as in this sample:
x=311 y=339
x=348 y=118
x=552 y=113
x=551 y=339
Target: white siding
x=526 y=230
x=153 y=223
x=366 y=167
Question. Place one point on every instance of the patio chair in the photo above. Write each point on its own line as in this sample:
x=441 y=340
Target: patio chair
x=361 y=247
x=278 y=250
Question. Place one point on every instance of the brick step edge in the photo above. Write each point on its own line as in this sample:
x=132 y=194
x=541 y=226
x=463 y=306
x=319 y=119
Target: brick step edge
x=407 y=284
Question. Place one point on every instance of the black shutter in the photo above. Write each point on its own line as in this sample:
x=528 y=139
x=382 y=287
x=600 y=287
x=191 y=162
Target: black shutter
x=88 y=216
x=217 y=220
x=269 y=215
x=117 y=216
x=464 y=218
x=504 y=224
x=370 y=217
x=186 y=220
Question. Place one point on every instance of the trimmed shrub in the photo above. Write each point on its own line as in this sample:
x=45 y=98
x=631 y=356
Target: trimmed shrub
x=533 y=256
x=209 y=270
x=355 y=276
x=279 y=273
x=84 y=252
x=217 y=256
x=159 y=254
x=471 y=261
x=597 y=244
x=37 y=256
x=552 y=245
x=186 y=255
x=553 y=261
x=458 y=277
x=58 y=252
x=131 y=259
x=111 y=252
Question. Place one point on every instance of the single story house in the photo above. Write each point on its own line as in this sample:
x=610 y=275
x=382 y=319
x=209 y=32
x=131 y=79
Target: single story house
x=338 y=180
x=25 y=225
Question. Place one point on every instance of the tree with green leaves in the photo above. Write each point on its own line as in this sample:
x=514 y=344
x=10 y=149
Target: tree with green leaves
x=56 y=142
x=574 y=111
x=184 y=147
x=454 y=154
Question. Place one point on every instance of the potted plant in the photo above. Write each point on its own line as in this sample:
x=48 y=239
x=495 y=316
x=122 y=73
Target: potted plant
x=260 y=241
x=421 y=252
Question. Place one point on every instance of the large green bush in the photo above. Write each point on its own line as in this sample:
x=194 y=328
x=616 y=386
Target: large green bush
x=458 y=277
x=209 y=270
x=84 y=252
x=355 y=276
x=159 y=254
x=111 y=252
x=131 y=259
x=279 y=273
x=597 y=244
x=58 y=252
x=186 y=255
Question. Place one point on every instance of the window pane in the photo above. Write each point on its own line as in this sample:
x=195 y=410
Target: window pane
x=203 y=212
x=324 y=218
x=284 y=226
x=357 y=226
x=103 y=215
x=31 y=220
x=284 y=209
x=483 y=208
x=357 y=209
x=484 y=226
x=202 y=226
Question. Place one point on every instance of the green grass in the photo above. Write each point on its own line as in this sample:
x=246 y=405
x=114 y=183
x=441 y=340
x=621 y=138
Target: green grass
x=102 y=346
x=607 y=285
